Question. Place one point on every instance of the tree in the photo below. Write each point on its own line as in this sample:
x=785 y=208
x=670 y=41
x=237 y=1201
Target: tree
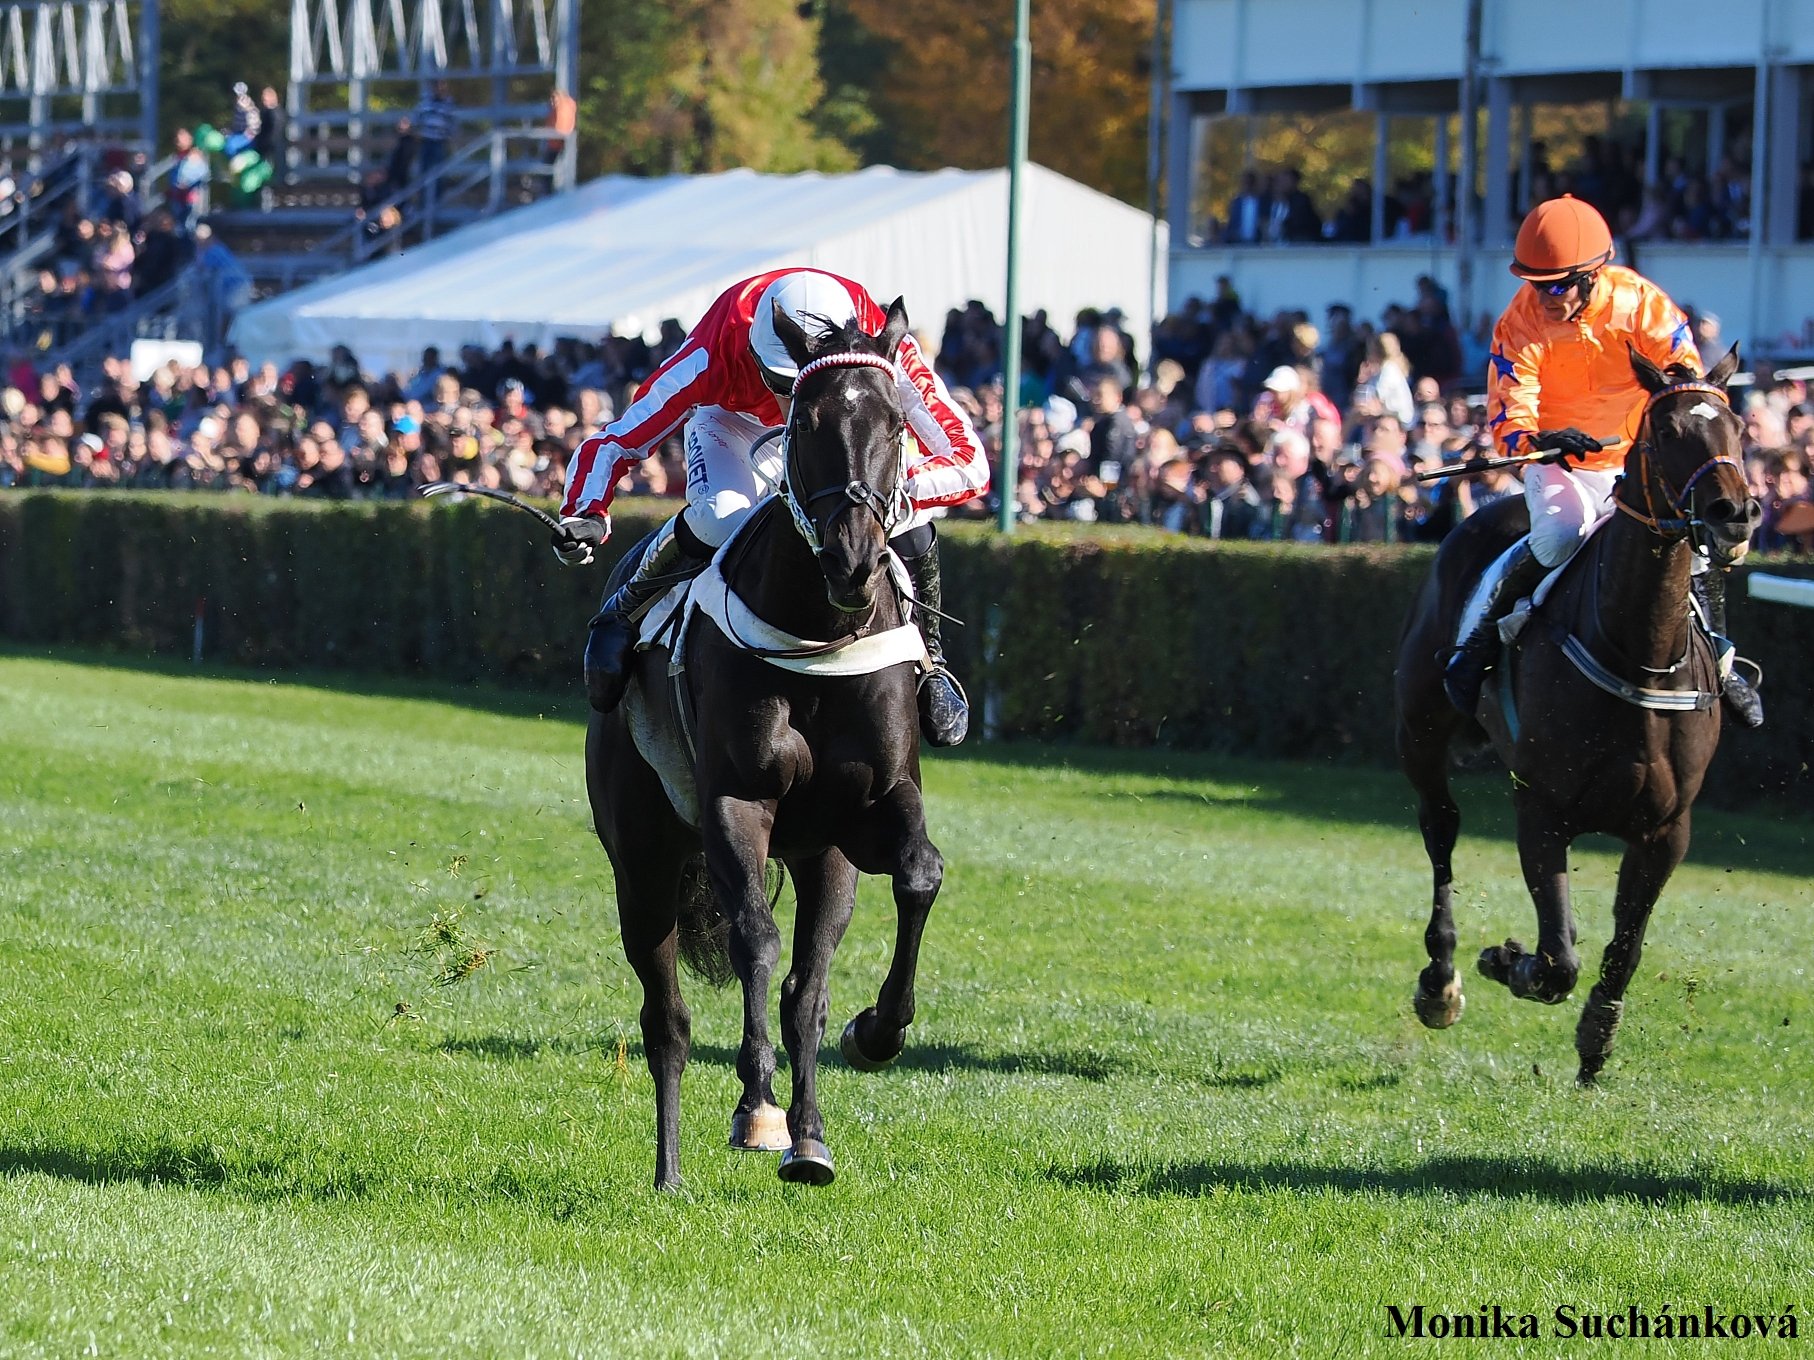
x=700 y=85
x=943 y=87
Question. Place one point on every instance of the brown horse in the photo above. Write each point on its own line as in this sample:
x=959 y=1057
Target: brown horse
x=1606 y=708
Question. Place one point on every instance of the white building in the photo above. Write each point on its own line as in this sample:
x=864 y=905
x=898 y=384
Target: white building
x=1732 y=61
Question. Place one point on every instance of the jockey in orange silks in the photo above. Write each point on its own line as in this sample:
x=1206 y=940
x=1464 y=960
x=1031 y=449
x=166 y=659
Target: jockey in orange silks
x=1560 y=374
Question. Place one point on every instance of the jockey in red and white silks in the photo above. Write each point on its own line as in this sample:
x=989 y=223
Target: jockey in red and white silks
x=714 y=385
x=729 y=384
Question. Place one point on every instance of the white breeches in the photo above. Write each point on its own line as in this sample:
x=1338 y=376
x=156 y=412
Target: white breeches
x=1564 y=503
x=724 y=483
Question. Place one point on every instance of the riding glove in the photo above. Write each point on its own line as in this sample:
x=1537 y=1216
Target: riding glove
x=1568 y=443
x=576 y=538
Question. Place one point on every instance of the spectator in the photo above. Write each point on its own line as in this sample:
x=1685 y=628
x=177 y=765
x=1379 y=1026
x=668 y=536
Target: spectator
x=268 y=142
x=188 y=178
x=1232 y=506
x=563 y=118
x=400 y=169
x=1291 y=216
x=436 y=121
x=1247 y=213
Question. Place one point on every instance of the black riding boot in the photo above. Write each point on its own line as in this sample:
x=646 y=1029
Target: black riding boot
x=944 y=709
x=1738 y=689
x=1469 y=663
x=674 y=554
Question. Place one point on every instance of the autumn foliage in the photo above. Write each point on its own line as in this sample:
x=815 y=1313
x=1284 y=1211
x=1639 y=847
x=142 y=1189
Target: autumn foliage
x=943 y=87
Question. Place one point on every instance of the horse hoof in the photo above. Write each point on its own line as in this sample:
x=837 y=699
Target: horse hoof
x=853 y=1050
x=808 y=1162
x=763 y=1129
x=1528 y=982
x=1496 y=962
x=1439 y=1010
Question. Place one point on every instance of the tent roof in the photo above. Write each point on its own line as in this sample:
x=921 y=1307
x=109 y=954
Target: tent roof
x=623 y=253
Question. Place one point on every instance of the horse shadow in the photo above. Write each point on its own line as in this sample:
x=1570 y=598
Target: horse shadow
x=1086 y=1065
x=165 y=1165
x=199 y=1167
x=1080 y=1065
x=1467 y=1177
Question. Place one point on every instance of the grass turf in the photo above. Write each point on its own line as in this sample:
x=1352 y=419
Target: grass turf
x=1165 y=1094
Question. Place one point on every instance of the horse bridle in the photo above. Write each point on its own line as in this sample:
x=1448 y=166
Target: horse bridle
x=1683 y=522
x=889 y=510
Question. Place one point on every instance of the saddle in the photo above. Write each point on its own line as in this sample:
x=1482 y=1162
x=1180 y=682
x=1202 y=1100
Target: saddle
x=663 y=724
x=1691 y=684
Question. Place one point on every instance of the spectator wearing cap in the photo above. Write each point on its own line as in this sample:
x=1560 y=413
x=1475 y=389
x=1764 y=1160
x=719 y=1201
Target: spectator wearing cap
x=1289 y=403
x=121 y=204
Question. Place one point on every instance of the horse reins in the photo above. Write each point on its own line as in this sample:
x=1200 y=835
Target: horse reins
x=1683 y=523
x=855 y=492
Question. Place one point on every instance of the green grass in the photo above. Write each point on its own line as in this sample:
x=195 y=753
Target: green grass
x=1165 y=1095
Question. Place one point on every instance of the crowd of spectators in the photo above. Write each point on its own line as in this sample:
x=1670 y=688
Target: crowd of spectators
x=1681 y=205
x=1236 y=426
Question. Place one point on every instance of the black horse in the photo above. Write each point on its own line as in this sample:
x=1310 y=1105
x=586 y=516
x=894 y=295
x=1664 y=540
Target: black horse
x=1612 y=712
x=818 y=771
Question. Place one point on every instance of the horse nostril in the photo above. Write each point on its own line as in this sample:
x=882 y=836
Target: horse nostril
x=1723 y=511
x=1754 y=512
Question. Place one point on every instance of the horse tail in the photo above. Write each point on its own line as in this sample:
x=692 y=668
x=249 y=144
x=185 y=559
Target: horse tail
x=704 y=930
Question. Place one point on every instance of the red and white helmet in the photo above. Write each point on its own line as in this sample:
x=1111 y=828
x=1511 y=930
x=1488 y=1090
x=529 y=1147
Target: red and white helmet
x=812 y=299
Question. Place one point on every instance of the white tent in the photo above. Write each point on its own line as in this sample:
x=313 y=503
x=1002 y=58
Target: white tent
x=626 y=253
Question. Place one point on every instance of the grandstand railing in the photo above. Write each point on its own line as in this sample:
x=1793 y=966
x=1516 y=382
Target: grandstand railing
x=180 y=310
x=496 y=169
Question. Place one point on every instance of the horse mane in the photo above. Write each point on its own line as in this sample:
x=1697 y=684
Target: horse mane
x=1680 y=373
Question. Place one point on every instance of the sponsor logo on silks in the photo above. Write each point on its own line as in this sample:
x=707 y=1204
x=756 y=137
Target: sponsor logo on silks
x=1632 y=1323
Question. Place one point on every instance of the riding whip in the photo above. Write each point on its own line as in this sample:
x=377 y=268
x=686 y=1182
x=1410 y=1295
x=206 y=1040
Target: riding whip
x=1469 y=468
x=439 y=488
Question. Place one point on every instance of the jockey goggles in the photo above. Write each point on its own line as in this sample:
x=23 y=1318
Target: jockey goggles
x=1561 y=287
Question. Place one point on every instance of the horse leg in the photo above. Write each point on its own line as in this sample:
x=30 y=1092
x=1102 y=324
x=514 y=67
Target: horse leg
x=1642 y=873
x=1548 y=975
x=1423 y=753
x=648 y=846
x=874 y=1038
x=826 y=889
x=736 y=835
x=646 y=912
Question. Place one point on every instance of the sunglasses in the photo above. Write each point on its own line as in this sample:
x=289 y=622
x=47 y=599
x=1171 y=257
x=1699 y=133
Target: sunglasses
x=1562 y=287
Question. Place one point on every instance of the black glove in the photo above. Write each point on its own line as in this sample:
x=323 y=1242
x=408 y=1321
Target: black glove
x=577 y=537
x=1569 y=443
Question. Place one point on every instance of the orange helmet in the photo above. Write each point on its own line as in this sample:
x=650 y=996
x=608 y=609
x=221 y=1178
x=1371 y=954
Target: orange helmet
x=1561 y=237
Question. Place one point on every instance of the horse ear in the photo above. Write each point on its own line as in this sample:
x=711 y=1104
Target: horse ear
x=799 y=349
x=1721 y=373
x=1649 y=376
x=895 y=328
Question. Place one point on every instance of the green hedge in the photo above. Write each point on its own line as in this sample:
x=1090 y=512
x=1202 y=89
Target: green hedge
x=1098 y=635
